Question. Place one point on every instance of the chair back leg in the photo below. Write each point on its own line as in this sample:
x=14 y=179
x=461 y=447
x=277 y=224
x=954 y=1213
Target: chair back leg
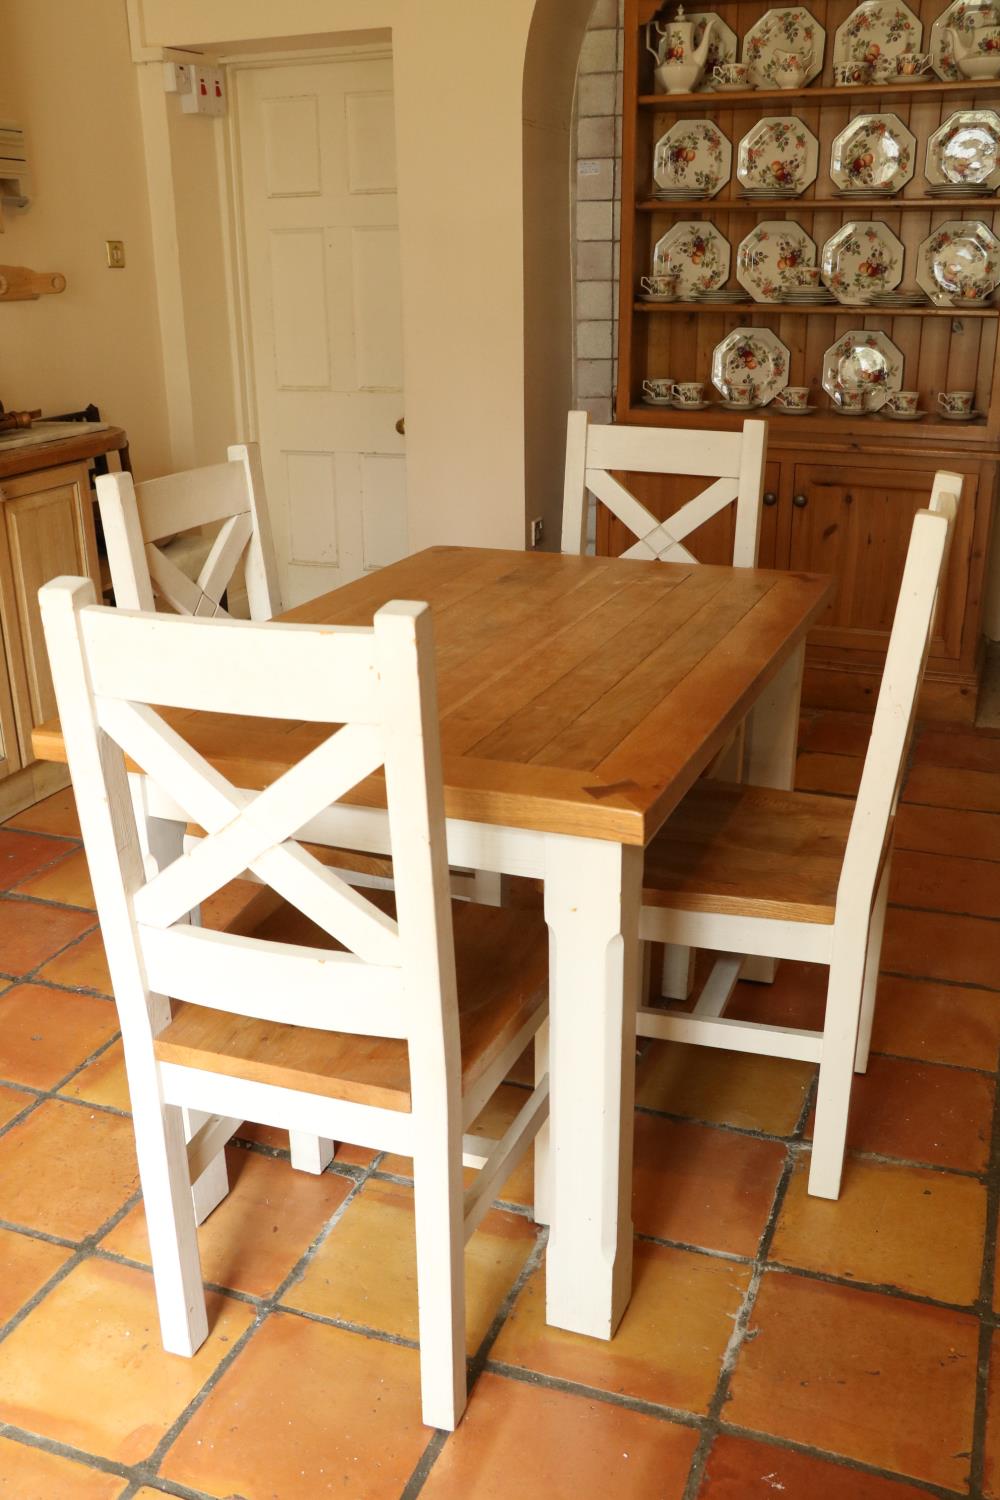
x=439 y=1208
x=872 y=961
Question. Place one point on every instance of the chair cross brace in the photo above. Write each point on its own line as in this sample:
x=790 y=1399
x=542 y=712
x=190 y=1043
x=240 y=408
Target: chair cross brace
x=660 y=540
x=202 y=596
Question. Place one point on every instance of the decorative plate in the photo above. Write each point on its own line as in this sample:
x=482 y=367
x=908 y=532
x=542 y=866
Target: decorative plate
x=863 y=257
x=965 y=150
x=772 y=258
x=877 y=28
x=723 y=47
x=873 y=152
x=694 y=154
x=696 y=253
x=959 y=262
x=778 y=153
x=963 y=15
x=860 y=357
x=792 y=29
x=751 y=357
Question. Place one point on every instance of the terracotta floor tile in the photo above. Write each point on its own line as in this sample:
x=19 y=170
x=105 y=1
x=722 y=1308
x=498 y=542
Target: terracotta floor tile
x=304 y=1410
x=538 y=1444
x=669 y=1345
x=490 y=1122
x=921 y=1113
x=30 y=933
x=66 y=1169
x=83 y=966
x=22 y=854
x=946 y=1023
x=86 y=1367
x=67 y=882
x=55 y=814
x=969 y=750
x=12 y=1101
x=32 y=1474
x=876 y=1378
x=45 y=1033
x=728 y=1088
x=796 y=998
x=349 y=1155
x=365 y=1270
x=991 y=1464
x=837 y=775
x=27 y=1265
x=702 y=1186
x=947 y=786
x=741 y=1469
x=918 y=1230
x=941 y=830
x=935 y=882
x=836 y=733
x=263 y=1135
x=258 y=1232
x=103 y=1082
x=963 y=950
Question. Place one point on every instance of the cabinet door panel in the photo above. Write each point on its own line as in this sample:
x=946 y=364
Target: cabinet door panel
x=855 y=524
x=663 y=494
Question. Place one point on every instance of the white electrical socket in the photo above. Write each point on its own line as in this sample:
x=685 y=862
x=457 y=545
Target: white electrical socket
x=176 y=78
x=207 y=94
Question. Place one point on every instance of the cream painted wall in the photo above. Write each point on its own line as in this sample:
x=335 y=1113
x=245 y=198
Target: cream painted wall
x=66 y=75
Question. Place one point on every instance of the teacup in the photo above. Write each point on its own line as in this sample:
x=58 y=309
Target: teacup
x=856 y=71
x=689 y=392
x=659 y=286
x=851 y=398
x=959 y=403
x=790 y=69
x=732 y=75
x=912 y=64
x=807 y=278
x=740 y=395
x=794 y=397
x=658 y=390
x=902 y=401
x=885 y=70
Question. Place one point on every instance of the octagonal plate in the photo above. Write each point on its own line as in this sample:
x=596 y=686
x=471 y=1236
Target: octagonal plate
x=863 y=257
x=877 y=28
x=752 y=357
x=874 y=153
x=965 y=150
x=779 y=153
x=695 y=156
x=696 y=253
x=861 y=357
x=772 y=257
x=959 y=262
x=788 y=29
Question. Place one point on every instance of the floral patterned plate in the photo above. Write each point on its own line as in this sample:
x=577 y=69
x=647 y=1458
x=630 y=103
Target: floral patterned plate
x=959 y=262
x=694 y=155
x=696 y=253
x=791 y=29
x=873 y=154
x=753 y=361
x=772 y=258
x=963 y=15
x=965 y=151
x=863 y=257
x=860 y=357
x=778 y=154
x=877 y=28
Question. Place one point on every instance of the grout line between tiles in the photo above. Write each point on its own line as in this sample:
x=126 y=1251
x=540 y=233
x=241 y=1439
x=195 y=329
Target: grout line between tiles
x=841 y=1461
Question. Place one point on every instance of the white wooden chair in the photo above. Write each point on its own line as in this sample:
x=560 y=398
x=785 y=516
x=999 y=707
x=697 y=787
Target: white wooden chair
x=330 y=1015
x=136 y=517
x=751 y=870
x=736 y=462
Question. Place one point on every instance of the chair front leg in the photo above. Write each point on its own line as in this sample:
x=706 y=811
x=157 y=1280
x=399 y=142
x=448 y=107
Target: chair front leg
x=170 y=1222
x=836 y=1068
x=873 y=958
x=310 y=1153
x=677 y=979
x=542 y=1211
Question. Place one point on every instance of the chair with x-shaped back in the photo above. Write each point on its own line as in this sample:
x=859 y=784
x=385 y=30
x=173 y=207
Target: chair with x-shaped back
x=138 y=517
x=389 y=1021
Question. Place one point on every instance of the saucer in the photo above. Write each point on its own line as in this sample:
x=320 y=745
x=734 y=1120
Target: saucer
x=731 y=88
x=792 y=411
x=903 y=416
x=959 y=416
x=843 y=411
x=691 y=405
x=740 y=405
x=657 y=400
x=657 y=296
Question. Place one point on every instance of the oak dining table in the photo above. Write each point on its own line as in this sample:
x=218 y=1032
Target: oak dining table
x=579 y=699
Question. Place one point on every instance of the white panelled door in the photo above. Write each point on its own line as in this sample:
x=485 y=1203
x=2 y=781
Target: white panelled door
x=318 y=184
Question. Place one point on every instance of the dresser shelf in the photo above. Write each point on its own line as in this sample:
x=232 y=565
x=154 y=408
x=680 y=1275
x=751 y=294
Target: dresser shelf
x=826 y=309
x=794 y=99
x=778 y=207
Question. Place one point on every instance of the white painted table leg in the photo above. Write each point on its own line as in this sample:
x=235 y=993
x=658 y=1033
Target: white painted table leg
x=770 y=761
x=162 y=841
x=592 y=896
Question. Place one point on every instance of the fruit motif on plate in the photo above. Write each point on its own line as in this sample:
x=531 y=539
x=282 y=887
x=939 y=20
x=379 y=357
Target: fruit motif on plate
x=752 y=362
x=959 y=262
x=792 y=29
x=775 y=256
x=874 y=152
x=861 y=360
x=779 y=153
x=862 y=258
x=965 y=150
x=696 y=253
x=694 y=154
x=876 y=29
x=964 y=16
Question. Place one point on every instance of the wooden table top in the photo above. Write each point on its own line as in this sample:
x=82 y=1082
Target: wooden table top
x=66 y=450
x=578 y=695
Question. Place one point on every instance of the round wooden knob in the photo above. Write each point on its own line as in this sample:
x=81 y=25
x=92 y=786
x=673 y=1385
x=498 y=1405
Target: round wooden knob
x=401 y=426
x=770 y=498
x=801 y=501
x=58 y=281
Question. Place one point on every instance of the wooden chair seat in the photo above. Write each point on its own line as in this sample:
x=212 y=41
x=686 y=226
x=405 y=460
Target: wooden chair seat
x=750 y=851
x=501 y=961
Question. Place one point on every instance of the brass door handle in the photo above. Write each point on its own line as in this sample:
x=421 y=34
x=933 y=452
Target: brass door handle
x=401 y=426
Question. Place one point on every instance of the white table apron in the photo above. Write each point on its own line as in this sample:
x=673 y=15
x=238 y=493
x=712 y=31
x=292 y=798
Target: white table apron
x=593 y=891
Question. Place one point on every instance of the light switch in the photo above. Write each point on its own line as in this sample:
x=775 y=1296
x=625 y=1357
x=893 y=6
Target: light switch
x=116 y=254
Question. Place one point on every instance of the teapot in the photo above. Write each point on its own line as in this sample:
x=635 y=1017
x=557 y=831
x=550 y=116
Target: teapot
x=680 y=65
x=975 y=48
